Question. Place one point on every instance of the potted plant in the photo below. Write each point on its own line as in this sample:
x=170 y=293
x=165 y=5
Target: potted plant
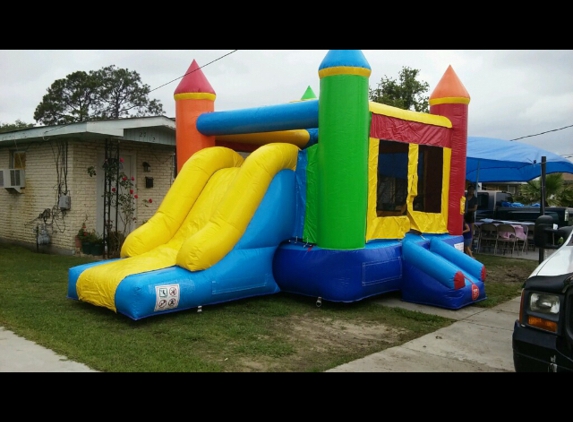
x=82 y=237
x=92 y=243
x=97 y=244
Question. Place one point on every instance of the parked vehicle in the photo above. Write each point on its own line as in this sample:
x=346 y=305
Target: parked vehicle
x=499 y=205
x=543 y=333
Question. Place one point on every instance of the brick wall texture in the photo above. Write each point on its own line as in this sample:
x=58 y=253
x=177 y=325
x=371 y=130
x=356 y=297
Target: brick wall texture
x=58 y=167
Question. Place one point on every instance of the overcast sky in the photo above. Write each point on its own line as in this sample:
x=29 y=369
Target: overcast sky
x=514 y=93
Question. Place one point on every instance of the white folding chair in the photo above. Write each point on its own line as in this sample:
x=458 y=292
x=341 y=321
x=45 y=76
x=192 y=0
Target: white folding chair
x=522 y=237
x=506 y=238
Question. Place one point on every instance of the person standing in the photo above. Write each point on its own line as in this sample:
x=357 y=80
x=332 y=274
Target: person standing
x=471 y=207
x=468 y=237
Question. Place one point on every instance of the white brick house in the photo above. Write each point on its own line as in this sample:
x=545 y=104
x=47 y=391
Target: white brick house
x=55 y=162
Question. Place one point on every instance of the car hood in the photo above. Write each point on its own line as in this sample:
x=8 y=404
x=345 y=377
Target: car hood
x=560 y=262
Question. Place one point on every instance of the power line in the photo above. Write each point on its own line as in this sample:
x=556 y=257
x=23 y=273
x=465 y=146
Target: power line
x=542 y=133
x=201 y=67
x=180 y=77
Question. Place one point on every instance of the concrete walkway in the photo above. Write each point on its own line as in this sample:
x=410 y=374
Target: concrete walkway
x=20 y=355
x=479 y=341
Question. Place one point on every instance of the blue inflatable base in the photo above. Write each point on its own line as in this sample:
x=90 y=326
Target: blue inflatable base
x=427 y=270
x=338 y=276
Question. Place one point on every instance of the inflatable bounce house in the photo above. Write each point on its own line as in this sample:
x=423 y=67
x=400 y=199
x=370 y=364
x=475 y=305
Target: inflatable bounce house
x=338 y=198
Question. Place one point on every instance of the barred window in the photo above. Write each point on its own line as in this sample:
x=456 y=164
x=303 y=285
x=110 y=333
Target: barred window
x=18 y=160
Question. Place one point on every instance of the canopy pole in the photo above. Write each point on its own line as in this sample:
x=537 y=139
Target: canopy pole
x=542 y=202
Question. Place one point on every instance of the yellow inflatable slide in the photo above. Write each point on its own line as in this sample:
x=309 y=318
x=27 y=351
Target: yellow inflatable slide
x=201 y=220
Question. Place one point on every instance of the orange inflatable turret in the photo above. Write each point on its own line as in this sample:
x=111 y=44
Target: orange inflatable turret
x=193 y=97
x=451 y=99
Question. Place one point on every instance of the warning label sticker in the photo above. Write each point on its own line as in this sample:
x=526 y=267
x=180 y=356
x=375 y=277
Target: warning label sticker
x=166 y=297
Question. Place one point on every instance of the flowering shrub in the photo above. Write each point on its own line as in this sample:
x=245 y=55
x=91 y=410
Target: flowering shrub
x=84 y=235
x=83 y=232
x=121 y=194
x=124 y=200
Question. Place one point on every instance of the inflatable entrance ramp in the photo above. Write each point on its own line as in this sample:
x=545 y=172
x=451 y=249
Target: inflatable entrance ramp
x=437 y=274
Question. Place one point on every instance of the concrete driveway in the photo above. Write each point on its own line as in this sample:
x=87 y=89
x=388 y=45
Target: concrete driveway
x=479 y=341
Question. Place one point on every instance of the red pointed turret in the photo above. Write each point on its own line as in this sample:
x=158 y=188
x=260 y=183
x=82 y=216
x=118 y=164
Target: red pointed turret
x=194 y=81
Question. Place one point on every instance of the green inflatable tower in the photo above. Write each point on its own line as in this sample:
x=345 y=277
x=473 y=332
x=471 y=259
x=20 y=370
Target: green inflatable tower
x=342 y=156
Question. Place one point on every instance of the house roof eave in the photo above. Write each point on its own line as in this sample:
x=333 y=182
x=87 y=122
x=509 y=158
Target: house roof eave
x=93 y=130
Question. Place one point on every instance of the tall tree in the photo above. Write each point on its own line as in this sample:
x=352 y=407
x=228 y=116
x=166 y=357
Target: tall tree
x=17 y=125
x=121 y=93
x=108 y=93
x=68 y=100
x=406 y=92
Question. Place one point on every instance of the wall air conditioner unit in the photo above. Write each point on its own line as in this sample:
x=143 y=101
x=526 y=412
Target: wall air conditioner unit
x=12 y=179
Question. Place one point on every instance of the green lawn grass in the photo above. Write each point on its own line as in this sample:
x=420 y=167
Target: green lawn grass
x=505 y=277
x=279 y=332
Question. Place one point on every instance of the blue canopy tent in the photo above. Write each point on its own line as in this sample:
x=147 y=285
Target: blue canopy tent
x=498 y=160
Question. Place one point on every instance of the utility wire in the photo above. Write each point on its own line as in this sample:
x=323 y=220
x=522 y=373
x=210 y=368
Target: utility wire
x=201 y=67
x=180 y=77
x=542 y=133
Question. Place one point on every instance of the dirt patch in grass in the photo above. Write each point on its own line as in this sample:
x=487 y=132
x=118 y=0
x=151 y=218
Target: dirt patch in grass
x=326 y=334
x=315 y=341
